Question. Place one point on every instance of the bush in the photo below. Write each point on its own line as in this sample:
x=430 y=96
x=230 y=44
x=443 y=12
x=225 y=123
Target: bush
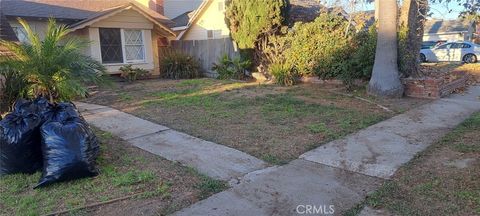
x=235 y=68
x=283 y=74
x=316 y=47
x=247 y=21
x=131 y=74
x=176 y=65
x=13 y=86
x=360 y=64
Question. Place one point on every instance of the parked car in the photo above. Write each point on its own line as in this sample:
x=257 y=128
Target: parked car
x=431 y=44
x=452 y=51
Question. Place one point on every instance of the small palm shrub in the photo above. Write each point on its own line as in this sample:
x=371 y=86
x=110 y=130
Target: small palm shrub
x=176 y=65
x=13 y=85
x=283 y=74
x=131 y=74
x=54 y=67
x=235 y=68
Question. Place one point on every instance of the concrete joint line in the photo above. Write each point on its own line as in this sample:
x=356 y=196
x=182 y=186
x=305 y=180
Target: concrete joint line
x=145 y=135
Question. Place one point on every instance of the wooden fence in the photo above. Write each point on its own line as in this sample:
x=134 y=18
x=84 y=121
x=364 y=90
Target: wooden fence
x=207 y=51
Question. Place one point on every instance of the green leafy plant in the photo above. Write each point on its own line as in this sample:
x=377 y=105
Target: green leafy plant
x=176 y=65
x=316 y=47
x=13 y=85
x=131 y=74
x=283 y=74
x=228 y=68
x=248 y=22
x=55 y=66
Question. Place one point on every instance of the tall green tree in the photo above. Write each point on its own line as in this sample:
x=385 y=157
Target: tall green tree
x=53 y=67
x=253 y=21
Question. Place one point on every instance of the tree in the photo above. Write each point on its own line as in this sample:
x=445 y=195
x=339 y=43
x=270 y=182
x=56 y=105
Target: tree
x=385 y=81
x=53 y=67
x=250 y=22
x=412 y=21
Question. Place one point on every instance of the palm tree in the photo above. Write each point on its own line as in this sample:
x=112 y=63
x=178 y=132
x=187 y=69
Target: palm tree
x=385 y=81
x=54 y=67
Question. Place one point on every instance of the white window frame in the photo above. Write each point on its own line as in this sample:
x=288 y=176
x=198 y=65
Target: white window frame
x=122 y=35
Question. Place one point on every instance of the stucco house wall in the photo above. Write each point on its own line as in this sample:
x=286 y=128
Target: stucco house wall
x=128 y=19
x=213 y=20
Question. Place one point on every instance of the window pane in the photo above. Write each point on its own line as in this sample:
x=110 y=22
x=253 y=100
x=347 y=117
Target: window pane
x=134 y=50
x=133 y=37
x=111 y=45
x=466 y=46
x=21 y=34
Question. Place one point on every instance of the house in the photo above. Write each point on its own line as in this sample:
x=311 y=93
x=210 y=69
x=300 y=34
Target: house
x=448 y=30
x=204 y=23
x=121 y=31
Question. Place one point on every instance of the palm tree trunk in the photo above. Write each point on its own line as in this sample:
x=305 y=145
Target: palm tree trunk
x=385 y=81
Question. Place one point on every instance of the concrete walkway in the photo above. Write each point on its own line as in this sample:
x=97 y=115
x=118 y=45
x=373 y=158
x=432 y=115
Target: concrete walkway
x=216 y=161
x=339 y=174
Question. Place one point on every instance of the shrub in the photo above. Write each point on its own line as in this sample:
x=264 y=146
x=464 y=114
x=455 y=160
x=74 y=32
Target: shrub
x=13 y=86
x=283 y=74
x=55 y=66
x=176 y=65
x=360 y=64
x=227 y=68
x=131 y=74
x=247 y=21
x=317 y=47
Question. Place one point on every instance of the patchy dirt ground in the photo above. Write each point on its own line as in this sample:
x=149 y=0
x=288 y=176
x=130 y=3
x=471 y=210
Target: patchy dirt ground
x=271 y=122
x=162 y=186
x=445 y=67
x=443 y=180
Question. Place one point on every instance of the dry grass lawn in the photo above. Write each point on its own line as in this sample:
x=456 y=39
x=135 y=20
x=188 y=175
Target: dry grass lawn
x=274 y=123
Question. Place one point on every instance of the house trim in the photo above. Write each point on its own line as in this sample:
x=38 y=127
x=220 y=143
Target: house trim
x=113 y=11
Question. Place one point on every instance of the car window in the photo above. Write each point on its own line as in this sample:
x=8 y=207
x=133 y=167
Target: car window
x=466 y=46
x=456 y=46
x=445 y=46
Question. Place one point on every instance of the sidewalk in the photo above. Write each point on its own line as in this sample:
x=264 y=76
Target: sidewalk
x=211 y=159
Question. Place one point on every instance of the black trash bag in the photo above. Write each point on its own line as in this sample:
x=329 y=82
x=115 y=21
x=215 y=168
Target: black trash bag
x=20 y=143
x=61 y=112
x=70 y=149
x=39 y=106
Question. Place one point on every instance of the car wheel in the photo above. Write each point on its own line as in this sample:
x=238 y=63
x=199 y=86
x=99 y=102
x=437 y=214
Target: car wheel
x=423 y=58
x=470 y=58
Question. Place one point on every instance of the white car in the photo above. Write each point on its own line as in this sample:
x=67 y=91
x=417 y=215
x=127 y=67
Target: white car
x=452 y=51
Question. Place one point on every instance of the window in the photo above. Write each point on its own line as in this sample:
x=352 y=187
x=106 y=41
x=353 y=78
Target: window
x=466 y=46
x=121 y=45
x=134 y=48
x=111 y=45
x=210 y=34
x=21 y=34
x=445 y=46
x=456 y=46
x=221 y=6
